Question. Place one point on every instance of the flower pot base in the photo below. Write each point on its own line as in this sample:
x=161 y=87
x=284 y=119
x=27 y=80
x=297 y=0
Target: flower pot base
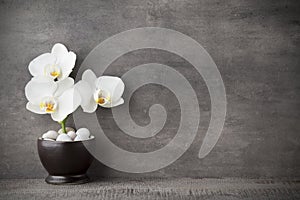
x=72 y=179
x=65 y=162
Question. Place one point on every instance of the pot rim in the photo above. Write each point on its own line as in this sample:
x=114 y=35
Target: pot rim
x=90 y=139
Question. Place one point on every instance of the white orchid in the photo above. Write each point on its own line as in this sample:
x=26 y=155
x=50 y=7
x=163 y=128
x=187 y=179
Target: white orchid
x=105 y=91
x=51 y=91
x=56 y=98
x=57 y=65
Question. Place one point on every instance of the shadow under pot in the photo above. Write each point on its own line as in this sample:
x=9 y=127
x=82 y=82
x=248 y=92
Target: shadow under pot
x=66 y=162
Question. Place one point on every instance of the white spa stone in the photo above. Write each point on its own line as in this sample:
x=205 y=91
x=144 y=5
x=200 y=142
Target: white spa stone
x=48 y=139
x=50 y=135
x=83 y=133
x=72 y=134
x=63 y=137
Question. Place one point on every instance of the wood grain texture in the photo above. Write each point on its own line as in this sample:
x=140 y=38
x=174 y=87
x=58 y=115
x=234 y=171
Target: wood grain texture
x=141 y=189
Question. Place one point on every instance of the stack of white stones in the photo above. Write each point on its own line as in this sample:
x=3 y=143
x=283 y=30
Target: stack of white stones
x=80 y=135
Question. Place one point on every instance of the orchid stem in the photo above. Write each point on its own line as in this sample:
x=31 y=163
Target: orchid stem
x=63 y=125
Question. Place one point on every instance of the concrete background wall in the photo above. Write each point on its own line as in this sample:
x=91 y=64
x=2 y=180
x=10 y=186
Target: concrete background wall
x=255 y=44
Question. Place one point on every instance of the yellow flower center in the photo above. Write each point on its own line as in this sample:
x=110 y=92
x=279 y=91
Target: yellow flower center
x=55 y=74
x=52 y=70
x=101 y=97
x=48 y=105
x=100 y=100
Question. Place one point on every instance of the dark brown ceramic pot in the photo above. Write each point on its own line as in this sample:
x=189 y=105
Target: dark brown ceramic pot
x=66 y=162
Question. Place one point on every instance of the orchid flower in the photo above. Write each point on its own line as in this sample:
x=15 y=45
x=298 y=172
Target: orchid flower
x=57 y=65
x=56 y=98
x=105 y=91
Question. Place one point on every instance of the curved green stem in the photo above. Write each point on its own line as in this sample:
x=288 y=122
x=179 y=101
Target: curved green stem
x=63 y=125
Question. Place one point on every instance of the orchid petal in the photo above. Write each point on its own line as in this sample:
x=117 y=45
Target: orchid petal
x=34 y=108
x=90 y=77
x=113 y=85
x=68 y=102
x=113 y=104
x=87 y=102
x=37 y=66
x=63 y=85
x=67 y=64
x=85 y=91
x=90 y=107
x=38 y=88
x=117 y=103
x=59 y=51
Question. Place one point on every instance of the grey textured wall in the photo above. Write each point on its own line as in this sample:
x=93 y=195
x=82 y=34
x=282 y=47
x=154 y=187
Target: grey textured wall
x=255 y=45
